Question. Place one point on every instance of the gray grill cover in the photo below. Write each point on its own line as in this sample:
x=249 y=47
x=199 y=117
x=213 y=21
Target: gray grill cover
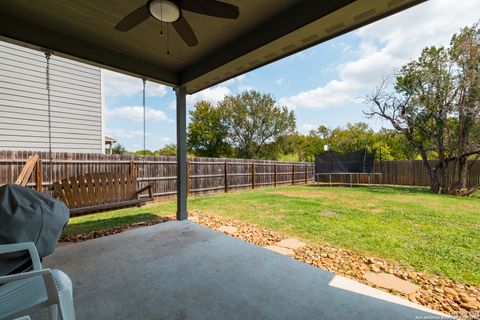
x=29 y=215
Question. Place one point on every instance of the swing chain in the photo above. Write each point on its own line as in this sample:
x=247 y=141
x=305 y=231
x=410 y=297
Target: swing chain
x=48 y=55
x=144 y=121
x=144 y=128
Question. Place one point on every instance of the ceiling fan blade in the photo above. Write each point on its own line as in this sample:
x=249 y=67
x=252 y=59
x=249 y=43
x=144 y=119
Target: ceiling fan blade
x=185 y=32
x=133 y=19
x=211 y=8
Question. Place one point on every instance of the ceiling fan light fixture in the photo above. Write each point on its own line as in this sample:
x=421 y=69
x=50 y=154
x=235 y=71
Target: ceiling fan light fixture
x=164 y=10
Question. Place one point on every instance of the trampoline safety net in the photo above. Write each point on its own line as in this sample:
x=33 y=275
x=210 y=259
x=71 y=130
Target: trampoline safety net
x=352 y=162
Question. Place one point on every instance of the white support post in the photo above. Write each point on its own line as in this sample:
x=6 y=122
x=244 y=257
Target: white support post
x=181 y=154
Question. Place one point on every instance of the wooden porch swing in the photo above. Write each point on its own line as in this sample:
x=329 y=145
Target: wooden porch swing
x=95 y=192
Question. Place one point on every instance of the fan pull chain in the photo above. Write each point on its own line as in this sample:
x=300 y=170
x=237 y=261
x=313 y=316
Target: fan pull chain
x=161 y=20
x=166 y=30
x=168 y=42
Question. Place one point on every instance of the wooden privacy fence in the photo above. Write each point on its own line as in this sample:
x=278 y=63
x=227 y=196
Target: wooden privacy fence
x=414 y=173
x=205 y=175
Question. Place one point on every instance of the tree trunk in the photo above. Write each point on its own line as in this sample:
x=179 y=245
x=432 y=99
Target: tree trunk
x=433 y=179
x=462 y=173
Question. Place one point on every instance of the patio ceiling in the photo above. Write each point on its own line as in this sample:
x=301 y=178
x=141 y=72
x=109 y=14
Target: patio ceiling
x=265 y=31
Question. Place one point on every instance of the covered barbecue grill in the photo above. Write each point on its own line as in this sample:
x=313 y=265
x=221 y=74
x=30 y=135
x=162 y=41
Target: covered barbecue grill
x=29 y=215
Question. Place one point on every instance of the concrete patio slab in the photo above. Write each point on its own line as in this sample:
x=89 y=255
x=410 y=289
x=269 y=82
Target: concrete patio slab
x=180 y=270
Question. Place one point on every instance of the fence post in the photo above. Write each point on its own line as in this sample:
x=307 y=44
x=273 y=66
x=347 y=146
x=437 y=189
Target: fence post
x=275 y=175
x=132 y=169
x=188 y=178
x=293 y=174
x=253 y=175
x=39 y=175
x=226 y=176
x=306 y=173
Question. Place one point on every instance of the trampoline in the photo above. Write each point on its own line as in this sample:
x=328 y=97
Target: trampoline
x=353 y=165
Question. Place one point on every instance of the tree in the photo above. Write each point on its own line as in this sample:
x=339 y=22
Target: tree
x=435 y=104
x=168 y=150
x=253 y=120
x=118 y=149
x=207 y=133
x=144 y=152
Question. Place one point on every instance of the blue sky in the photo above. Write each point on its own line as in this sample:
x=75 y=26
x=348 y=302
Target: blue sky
x=325 y=84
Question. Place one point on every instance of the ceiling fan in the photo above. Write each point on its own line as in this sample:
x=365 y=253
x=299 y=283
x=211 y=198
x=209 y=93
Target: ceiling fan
x=170 y=11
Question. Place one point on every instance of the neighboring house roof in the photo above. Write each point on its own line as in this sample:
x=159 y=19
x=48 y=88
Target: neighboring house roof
x=110 y=140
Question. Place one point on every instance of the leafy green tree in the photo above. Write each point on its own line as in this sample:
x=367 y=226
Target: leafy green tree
x=168 y=150
x=253 y=120
x=435 y=104
x=144 y=152
x=387 y=144
x=118 y=149
x=207 y=132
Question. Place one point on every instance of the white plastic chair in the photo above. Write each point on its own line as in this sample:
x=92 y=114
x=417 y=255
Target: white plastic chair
x=23 y=293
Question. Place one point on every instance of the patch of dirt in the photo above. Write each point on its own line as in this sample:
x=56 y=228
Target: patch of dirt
x=442 y=294
x=329 y=213
x=107 y=232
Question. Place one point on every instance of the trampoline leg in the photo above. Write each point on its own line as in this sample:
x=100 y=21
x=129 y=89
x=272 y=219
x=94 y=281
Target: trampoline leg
x=369 y=180
x=330 y=179
x=351 y=184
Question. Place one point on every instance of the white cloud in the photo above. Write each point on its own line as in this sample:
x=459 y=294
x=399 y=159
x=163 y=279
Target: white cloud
x=279 y=81
x=245 y=88
x=117 y=84
x=333 y=93
x=307 y=127
x=236 y=80
x=386 y=45
x=119 y=133
x=213 y=95
x=135 y=113
x=165 y=140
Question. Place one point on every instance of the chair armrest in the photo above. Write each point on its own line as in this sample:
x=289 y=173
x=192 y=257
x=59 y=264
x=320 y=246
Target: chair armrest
x=30 y=246
x=47 y=277
x=149 y=188
x=24 y=275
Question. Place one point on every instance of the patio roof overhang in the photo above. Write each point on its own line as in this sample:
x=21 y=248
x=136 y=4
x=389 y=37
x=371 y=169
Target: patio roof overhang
x=264 y=32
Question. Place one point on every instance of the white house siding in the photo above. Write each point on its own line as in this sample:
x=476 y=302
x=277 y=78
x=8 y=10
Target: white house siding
x=76 y=100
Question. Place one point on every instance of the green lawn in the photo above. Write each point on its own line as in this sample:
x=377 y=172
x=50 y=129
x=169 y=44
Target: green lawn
x=431 y=233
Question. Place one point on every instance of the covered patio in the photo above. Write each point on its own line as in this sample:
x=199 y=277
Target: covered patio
x=179 y=269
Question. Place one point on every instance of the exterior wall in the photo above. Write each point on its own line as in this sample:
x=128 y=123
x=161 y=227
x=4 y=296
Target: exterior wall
x=76 y=101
